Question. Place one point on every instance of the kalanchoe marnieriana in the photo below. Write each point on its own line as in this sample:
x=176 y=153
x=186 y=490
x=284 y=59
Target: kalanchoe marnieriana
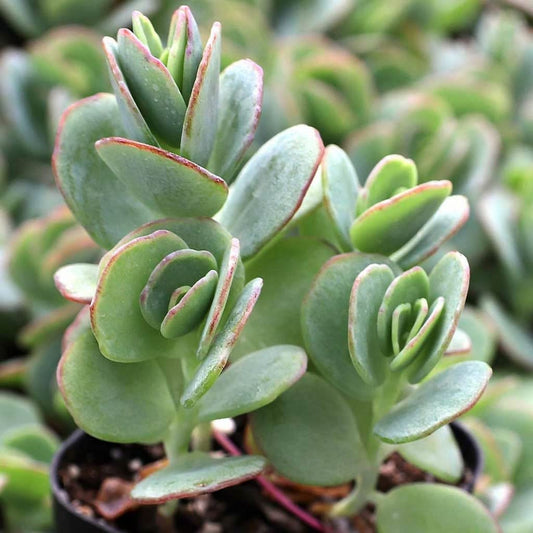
x=37 y=249
x=370 y=330
x=26 y=449
x=167 y=304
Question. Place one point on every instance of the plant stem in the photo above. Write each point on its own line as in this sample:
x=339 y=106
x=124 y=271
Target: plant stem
x=364 y=490
x=360 y=495
x=179 y=436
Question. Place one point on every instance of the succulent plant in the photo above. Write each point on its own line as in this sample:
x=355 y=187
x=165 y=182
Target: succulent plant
x=26 y=449
x=369 y=330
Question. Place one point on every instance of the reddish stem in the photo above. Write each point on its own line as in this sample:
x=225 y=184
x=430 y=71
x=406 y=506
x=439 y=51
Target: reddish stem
x=271 y=489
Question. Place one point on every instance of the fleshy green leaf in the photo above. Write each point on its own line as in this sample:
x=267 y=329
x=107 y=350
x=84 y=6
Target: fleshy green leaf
x=185 y=49
x=130 y=116
x=365 y=300
x=225 y=279
x=89 y=187
x=196 y=473
x=143 y=29
x=449 y=218
x=437 y=453
x=271 y=186
x=435 y=403
x=340 y=188
x=218 y=355
x=200 y=125
x=449 y=279
x=391 y=174
x=165 y=182
x=122 y=332
x=388 y=225
x=288 y=268
x=180 y=268
x=114 y=401
x=188 y=313
x=152 y=87
x=406 y=288
x=77 y=282
x=325 y=320
x=253 y=382
x=27 y=479
x=414 y=345
x=425 y=507
x=310 y=435
x=241 y=94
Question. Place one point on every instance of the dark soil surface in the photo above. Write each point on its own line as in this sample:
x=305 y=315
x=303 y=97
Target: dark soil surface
x=99 y=481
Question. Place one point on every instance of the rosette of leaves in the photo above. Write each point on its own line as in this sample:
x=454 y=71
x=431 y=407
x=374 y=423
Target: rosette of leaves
x=26 y=449
x=37 y=249
x=369 y=331
x=173 y=137
x=462 y=150
x=35 y=87
x=392 y=214
x=33 y=18
x=166 y=306
x=316 y=81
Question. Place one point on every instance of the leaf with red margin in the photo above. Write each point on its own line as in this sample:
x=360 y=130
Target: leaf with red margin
x=435 y=403
x=443 y=225
x=388 y=225
x=155 y=92
x=196 y=473
x=252 y=382
x=130 y=116
x=271 y=186
x=165 y=182
x=226 y=273
x=89 y=187
x=133 y=401
x=215 y=361
x=122 y=332
x=200 y=124
x=239 y=109
x=77 y=282
x=449 y=278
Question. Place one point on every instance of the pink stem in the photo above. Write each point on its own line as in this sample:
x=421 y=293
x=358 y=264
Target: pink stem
x=271 y=489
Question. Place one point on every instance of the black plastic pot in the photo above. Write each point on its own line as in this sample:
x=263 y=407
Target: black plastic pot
x=67 y=518
x=79 y=444
x=471 y=452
